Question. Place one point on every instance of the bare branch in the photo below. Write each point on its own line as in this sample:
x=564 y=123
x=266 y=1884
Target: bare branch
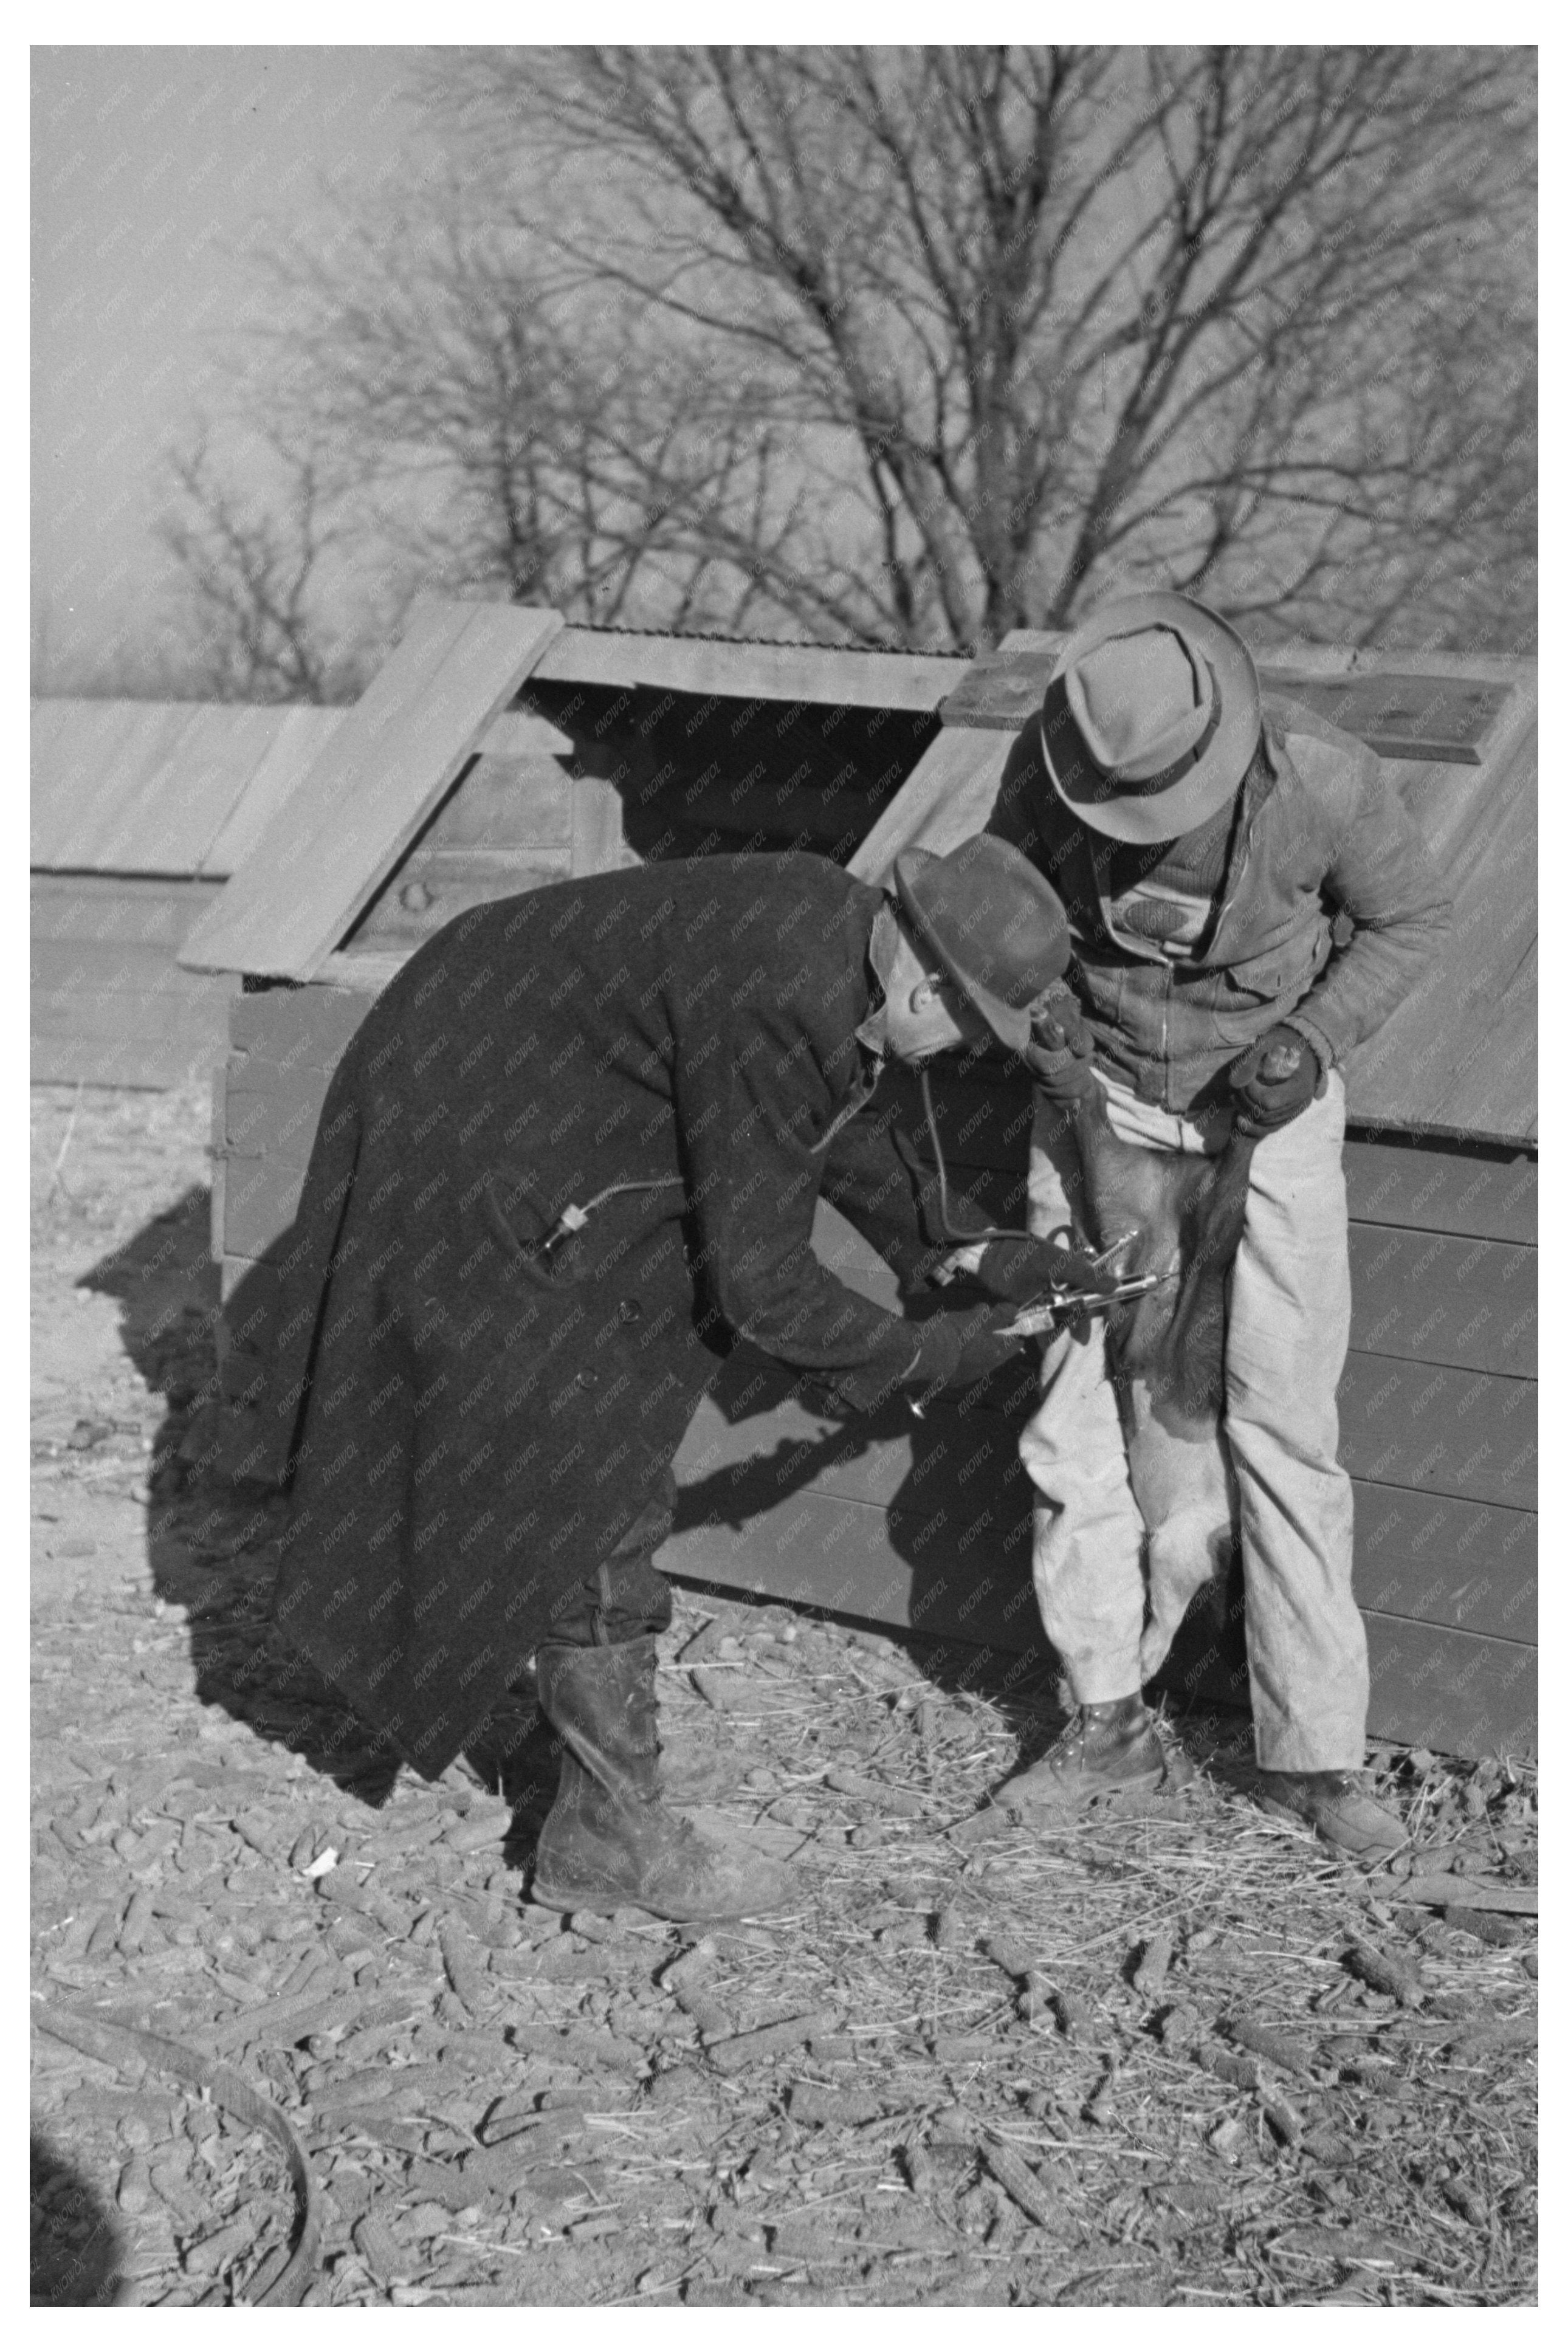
x=912 y=346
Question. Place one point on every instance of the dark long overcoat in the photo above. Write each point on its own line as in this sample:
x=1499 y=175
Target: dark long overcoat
x=481 y=1420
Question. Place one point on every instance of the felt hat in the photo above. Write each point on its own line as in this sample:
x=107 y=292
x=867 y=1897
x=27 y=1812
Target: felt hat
x=995 y=924
x=1151 y=718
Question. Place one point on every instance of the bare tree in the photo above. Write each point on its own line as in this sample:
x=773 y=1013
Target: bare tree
x=981 y=331
x=250 y=565
x=909 y=347
x=508 y=438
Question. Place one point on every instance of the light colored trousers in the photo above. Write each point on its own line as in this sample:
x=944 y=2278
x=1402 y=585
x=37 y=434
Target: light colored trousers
x=1287 y=1330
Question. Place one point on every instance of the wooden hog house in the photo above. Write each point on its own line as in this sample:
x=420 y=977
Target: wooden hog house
x=140 y=812
x=499 y=750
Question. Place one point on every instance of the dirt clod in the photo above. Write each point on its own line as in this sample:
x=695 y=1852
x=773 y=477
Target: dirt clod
x=1385 y=1975
x=1153 y=1965
x=1074 y=2013
x=1281 y=2050
x=1494 y=1927
x=388 y=2261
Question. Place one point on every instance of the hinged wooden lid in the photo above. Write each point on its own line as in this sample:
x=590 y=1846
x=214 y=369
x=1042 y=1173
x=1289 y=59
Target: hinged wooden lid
x=326 y=851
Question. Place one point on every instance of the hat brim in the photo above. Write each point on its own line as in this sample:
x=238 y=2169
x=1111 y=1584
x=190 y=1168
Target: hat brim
x=1004 y=1021
x=1211 y=781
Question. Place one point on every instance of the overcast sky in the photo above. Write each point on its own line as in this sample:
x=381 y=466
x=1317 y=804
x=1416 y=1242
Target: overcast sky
x=154 y=170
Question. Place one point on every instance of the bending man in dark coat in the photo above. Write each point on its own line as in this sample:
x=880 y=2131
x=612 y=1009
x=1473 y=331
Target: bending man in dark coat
x=573 y=1153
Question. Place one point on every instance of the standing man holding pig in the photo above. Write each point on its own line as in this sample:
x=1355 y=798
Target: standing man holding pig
x=1247 y=902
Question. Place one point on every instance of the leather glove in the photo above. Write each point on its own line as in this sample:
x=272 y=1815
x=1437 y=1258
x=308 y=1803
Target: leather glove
x=1274 y=1081
x=1021 y=1271
x=957 y=1351
x=1060 y=1051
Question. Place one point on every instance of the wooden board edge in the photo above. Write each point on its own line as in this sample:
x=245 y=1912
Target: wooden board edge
x=367 y=971
x=595 y=815
x=1362 y=1127
x=1462 y=1334
x=1516 y=1223
x=949 y=764
x=1437 y=1706
x=871 y=677
x=548 y=626
x=211 y=944
x=218 y=1158
x=288 y=757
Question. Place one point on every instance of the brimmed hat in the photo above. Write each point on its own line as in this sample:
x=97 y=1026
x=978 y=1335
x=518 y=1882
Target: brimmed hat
x=1151 y=718
x=995 y=924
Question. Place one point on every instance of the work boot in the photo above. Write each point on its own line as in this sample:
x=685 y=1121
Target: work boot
x=1337 y=1806
x=1108 y=1750
x=608 y=1840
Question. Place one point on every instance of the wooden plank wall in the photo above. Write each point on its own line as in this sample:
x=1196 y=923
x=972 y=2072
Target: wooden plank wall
x=110 y=1006
x=927 y=1523
x=1460 y=1057
x=516 y=819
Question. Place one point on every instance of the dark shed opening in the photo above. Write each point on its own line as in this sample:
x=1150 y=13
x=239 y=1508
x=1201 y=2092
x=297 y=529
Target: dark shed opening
x=701 y=773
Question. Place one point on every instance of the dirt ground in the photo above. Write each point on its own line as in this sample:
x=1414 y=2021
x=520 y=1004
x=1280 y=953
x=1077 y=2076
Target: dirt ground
x=1174 y=2057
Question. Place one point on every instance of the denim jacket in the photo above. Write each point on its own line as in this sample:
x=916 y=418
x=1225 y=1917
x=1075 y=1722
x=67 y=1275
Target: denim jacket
x=1331 y=910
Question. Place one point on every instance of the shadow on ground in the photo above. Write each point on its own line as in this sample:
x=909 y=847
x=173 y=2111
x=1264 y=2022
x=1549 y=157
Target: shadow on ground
x=213 y=1550
x=74 y=2250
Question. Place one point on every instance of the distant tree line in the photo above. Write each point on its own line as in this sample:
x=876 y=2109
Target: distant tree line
x=905 y=348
